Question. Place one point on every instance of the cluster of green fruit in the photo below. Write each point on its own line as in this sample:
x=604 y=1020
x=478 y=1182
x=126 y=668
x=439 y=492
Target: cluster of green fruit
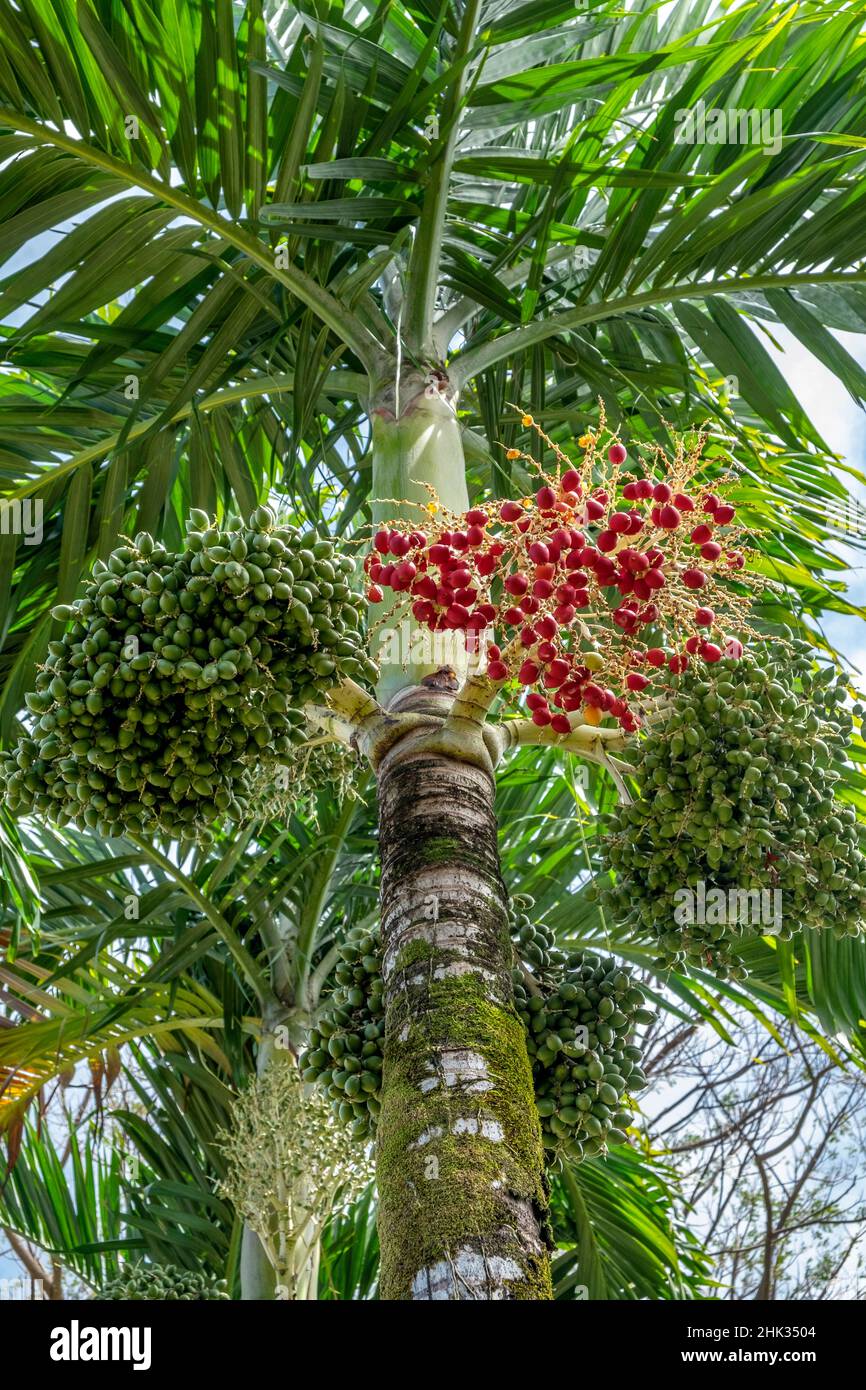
x=163 y=1283
x=345 y=1051
x=181 y=672
x=580 y=1011
x=737 y=786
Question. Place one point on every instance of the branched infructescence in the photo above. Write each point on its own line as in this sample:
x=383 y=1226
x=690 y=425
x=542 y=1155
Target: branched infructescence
x=738 y=778
x=586 y=591
x=145 y=1283
x=183 y=676
x=579 y=1012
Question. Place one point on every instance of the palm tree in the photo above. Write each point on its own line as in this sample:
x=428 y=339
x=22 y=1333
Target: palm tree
x=321 y=260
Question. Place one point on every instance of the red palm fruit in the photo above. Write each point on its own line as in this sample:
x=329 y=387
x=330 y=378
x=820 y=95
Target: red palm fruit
x=711 y=550
x=516 y=584
x=641 y=588
x=545 y=499
x=444 y=596
x=375 y=571
x=466 y=596
x=593 y=694
x=625 y=582
x=399 y=544
x=701 y=534
x=694 y=579
x=710 y=652
x=476 y=517
x=417 y=538
x=630 y=492
x=601 y=496
x=635 y=681
x=733 y=647
x=581 y=599
x=655 y=557
x=574 y=559
x=497 y=548
x=607 y=541
x=724 y=514
x=530 y=604
x=617 y=454
x=570 y=699
x=629 y=722
x=669 y=517
x=386 y=575
x=649 y=614
x=556 y=673
x=619 y=522
x=636 y=562
x=459 y=577
x=661 y=492
x=710 y=501
x=561 y=538
x=529 y=673
x=497 y=670
x=736 y=561
x=618 y=708
x=513 y=617
x=380 y=542
x=546 y=627
x=635 y=524
x=374 y=594
x=485 y=564
x=542 y=588
x=457 y=615
x=404 y=573
x=544 y=571
x=564 y=613
x=528 y=637
x=425 y=586
x=541 y=717
x=589 y=555
x=459 y=540
x=704 y=617
x=423 y=610
x=570 y=480
x=524 y=525
x=560 y=724
x=538 y=553
x=565 y=592
x=439 y=554
x=546 y=651
x=644 y=489
x=684 y=502
x=487 y=611
x=655 y=514
x=654 y=579
x=655 y=656
x=692 y=644
x=511 y=511
x=594 y=509
x=678 y=663
x=475 y=535
x=535 y=700
x=494 y=652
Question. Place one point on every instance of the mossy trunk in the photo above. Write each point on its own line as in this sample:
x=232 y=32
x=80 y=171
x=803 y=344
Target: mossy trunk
x=462 y=1191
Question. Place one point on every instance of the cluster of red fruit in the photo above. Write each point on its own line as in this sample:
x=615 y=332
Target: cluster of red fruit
x=550 y=559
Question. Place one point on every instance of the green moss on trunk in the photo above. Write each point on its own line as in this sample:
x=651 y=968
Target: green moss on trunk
x=459 y=1156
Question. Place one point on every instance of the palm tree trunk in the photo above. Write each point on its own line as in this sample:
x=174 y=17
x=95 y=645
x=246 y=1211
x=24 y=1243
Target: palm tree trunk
x=459 y=1158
